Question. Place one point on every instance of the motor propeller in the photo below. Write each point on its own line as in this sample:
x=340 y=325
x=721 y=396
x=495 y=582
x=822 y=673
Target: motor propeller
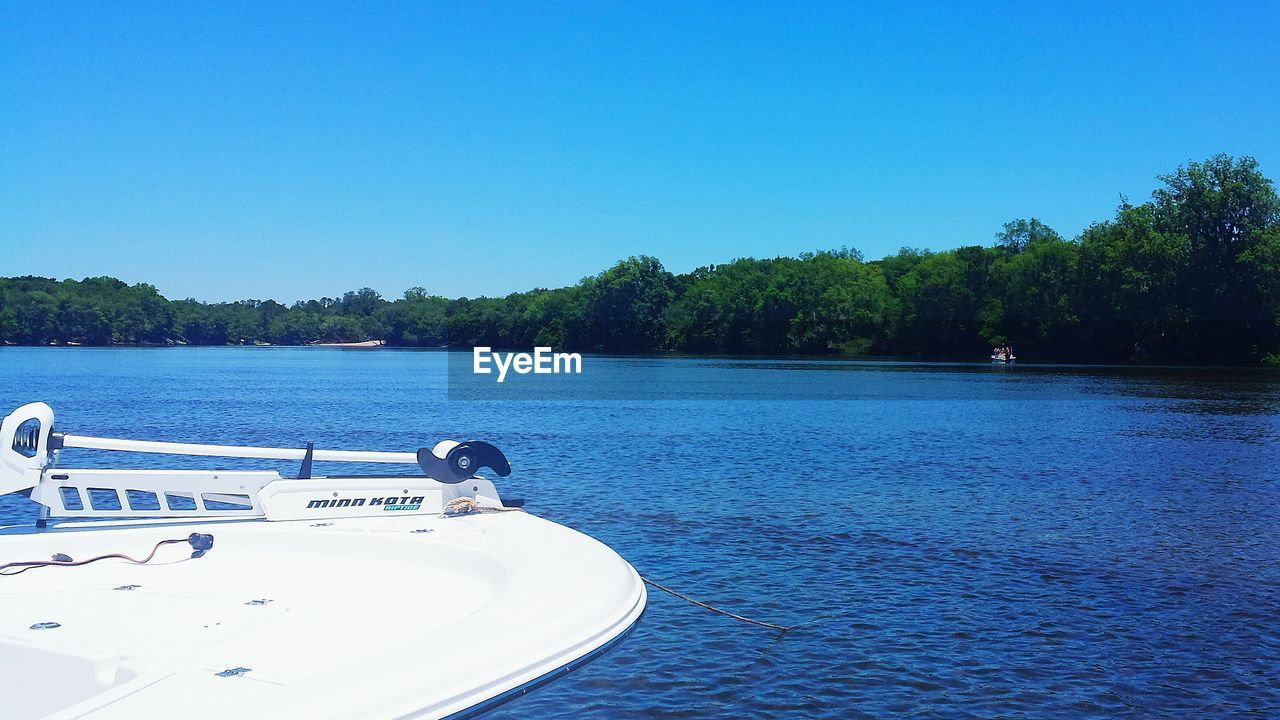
x=461 y=461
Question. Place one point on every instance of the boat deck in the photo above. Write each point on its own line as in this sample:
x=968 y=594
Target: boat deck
x=399 y=617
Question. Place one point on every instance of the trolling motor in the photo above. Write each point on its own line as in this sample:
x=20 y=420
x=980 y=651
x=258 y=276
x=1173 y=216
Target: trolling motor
x=29 y=452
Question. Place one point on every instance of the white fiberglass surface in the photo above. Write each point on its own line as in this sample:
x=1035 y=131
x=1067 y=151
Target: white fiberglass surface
x=288 y=604
x=40 y=679
x=426 y=616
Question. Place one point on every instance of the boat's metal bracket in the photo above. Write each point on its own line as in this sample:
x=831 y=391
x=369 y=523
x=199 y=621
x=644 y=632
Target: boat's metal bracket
x=143 y=493
x=304 y=473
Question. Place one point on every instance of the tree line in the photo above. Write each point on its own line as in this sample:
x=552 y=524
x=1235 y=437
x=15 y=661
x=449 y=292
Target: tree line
x=1191 y=275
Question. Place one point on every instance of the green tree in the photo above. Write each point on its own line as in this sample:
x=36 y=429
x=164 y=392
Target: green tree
x=1226 y=211
x=1192 y=275
x=1018 y=234
x=1132 y=288
x=941 y=300
x=1034 y=299
x=625 y=306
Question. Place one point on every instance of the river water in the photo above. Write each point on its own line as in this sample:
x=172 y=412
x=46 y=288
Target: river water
x=954 y=540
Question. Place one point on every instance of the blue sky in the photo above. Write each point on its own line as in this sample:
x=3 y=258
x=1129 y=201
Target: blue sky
x=227 y=151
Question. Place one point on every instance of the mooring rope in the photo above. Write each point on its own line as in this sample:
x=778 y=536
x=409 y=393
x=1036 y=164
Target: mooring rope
x=782 y=629
x=467 y=505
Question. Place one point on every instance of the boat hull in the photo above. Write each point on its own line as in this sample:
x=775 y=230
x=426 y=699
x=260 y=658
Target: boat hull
x=402 y=617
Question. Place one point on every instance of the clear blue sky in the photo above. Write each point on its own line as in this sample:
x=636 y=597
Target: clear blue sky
x=225 y=151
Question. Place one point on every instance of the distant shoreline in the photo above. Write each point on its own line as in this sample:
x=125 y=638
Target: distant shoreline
x=888 y=360
x=1181 y=279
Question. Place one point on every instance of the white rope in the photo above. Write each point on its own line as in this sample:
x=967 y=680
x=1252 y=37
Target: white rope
x=467 y=505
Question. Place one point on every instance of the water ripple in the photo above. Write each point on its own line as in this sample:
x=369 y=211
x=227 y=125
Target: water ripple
x=1109 y=551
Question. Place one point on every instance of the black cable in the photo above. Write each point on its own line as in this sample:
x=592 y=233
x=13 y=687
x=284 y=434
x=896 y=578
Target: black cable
x=200 y=544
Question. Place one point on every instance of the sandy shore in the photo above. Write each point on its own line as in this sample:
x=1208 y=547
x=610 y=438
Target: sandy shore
x=366 y=343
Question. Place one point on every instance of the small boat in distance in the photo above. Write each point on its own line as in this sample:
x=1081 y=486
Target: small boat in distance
x=219 y=595
x=1003 y=354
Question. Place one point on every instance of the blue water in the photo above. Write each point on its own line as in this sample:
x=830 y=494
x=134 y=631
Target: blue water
x=1092 y=543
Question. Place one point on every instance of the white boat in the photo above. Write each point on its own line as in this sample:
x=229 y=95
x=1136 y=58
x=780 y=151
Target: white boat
x=249 y=595
x=1003 y=359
